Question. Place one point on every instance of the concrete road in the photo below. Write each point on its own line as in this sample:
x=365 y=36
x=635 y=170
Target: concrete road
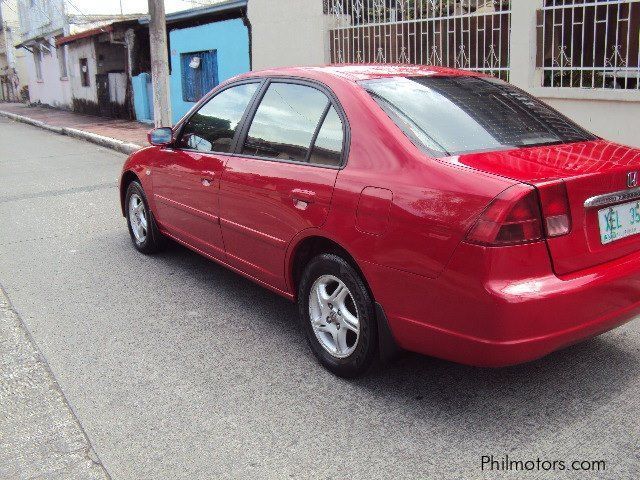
x=178 y=369
x=40 y=437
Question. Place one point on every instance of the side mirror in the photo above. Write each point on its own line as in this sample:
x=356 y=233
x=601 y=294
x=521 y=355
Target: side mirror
x=160 y=137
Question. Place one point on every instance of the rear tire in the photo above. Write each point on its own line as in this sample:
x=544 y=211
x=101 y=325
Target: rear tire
x=142 y=226
x=338 y=316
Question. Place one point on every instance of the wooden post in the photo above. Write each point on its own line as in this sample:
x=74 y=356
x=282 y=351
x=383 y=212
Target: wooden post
x=159 y=64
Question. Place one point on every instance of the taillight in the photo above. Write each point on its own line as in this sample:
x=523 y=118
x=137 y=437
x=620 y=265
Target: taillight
x=513 y=217
x=555 y=208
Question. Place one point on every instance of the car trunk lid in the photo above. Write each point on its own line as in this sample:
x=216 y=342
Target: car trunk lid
x=597 y=175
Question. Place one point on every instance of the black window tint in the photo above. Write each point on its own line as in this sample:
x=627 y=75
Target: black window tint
x=285 y=122
x=328 y=146
x=453 y=115
x=211 y=129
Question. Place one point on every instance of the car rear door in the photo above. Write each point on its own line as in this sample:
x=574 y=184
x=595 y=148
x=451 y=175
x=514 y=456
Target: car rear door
x=281 y=179
x=186 y=177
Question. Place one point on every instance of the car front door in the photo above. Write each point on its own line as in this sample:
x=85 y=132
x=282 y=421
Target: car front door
x=280 y=180
x=186 y=177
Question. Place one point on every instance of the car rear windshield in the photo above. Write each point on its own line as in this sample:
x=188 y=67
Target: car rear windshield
x=454 y=115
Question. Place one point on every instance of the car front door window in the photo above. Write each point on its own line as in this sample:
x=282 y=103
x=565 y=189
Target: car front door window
x=212 y=128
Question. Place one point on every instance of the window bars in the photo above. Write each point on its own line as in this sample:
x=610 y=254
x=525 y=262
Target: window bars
x=464 y=34
x=589 y=44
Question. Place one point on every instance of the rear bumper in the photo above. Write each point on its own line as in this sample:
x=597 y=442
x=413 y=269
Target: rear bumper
x=431 y=340
x=499 y=307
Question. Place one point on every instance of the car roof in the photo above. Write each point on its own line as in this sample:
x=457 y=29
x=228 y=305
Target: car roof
x=359 y=72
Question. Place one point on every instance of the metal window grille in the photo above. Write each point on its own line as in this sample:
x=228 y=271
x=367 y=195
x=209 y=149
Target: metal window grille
x=464 y=34
x=199 y=72
x=589 y=44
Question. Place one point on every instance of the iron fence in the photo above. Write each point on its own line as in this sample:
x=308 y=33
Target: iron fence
x=464 y=34
x=589 y=44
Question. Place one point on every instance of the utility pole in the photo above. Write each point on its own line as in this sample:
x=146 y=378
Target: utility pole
x=159 y=64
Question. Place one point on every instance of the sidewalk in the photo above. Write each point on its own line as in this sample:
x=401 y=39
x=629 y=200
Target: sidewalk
x=129 y=132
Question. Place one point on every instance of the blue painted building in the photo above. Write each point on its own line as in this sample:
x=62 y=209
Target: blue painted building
x=207 y=46
x=202 y=57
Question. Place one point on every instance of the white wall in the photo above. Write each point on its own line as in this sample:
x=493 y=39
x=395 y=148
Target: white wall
x=287 y=32
x=51 y=90
x=615 y=120
x=22 y=58
x=77 y=50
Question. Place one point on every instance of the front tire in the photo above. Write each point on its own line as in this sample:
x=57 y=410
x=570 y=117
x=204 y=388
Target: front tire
x=337 y=316
x=142 y=227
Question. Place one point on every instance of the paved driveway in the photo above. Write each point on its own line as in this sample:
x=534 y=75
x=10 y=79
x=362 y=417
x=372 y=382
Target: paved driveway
x=177 y=368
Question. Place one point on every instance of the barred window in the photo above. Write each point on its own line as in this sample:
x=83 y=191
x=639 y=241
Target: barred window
x=589 y=44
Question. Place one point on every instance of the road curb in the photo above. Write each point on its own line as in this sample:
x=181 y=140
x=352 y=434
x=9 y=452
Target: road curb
x=107 y=142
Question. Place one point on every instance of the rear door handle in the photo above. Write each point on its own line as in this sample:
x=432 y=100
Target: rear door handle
x=299 y=195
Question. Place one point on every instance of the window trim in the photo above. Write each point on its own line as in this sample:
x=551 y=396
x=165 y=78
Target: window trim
x=37 y=60
x=333 y=101
x=63 y=68
x=179 y=128
x=85 y=79
x=314 y=138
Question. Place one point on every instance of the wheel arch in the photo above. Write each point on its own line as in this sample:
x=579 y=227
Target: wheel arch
x=127 y=177
x=314 y=244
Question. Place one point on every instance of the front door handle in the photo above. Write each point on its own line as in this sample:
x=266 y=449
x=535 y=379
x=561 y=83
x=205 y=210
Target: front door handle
x=207 y=181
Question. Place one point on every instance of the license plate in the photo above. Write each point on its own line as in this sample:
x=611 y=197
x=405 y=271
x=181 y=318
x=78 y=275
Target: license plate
x=619 y=222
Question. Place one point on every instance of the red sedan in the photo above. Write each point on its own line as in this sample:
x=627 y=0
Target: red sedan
x=427 y=209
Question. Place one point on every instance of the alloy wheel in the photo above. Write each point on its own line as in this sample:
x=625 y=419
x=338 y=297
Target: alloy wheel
x=138 y=218
x=334 y=316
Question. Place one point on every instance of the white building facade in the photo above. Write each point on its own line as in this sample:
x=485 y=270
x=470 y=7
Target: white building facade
x=12 y=63
x=42 y=22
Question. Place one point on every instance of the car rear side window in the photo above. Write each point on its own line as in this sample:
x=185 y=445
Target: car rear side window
x=327 y=149
x=212 y=128
x=454 y=115
x=285 y=122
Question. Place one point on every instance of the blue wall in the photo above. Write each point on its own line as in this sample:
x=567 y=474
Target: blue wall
x=142 y=101
x=230 y=39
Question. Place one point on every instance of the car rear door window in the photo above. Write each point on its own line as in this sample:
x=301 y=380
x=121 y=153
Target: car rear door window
x=327 y=149
x=213 y=126
x=285 y=122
